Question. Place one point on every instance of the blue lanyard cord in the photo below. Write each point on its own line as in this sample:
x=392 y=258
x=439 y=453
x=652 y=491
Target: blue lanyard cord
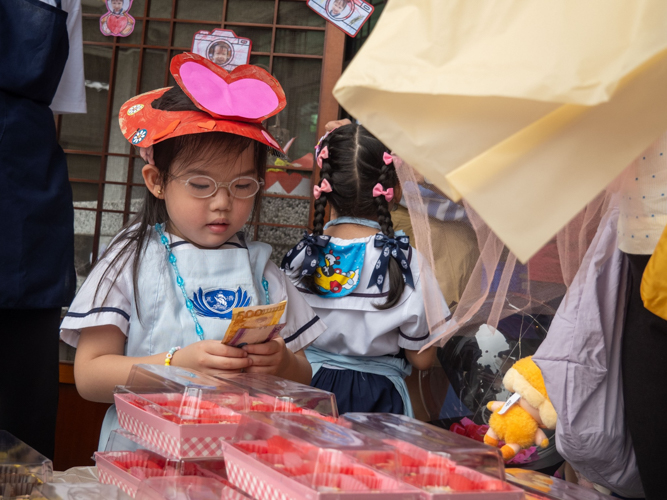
x=179 y=280
x=181 y=283
x=265 y=284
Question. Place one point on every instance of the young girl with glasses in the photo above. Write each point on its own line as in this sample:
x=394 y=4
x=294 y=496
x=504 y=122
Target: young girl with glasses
x=361 y=278
x=164 y=290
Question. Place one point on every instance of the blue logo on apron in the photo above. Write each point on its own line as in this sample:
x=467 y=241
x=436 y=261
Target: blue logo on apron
x=219 y=302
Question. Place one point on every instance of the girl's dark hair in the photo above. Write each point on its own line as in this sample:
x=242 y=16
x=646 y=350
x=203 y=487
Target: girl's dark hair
x=354 y=166
x=133 y=238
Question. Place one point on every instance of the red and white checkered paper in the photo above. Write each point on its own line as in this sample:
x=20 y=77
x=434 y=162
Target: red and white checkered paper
x=107 y=477
x=248 y=481
x=190 y=447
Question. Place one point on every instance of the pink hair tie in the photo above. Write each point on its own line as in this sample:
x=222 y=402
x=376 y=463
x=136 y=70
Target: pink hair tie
x=323 y=155
x=324 y=187
x=378 y=191
x=387 y=158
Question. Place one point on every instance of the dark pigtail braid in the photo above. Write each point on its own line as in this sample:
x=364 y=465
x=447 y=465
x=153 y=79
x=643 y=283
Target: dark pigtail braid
x=321 y=203
x=355 y=164
x=318 y=220
x=396 y=284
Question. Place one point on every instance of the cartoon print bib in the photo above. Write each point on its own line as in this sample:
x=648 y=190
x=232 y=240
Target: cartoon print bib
x=339 y=269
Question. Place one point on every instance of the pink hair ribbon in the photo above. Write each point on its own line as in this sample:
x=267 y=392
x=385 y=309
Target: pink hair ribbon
x=378 y=191
x=324 y=187
x=387 y=158
x=323 y=155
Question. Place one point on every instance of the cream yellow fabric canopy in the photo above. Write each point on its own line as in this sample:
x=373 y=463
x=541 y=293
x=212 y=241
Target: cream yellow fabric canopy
x=525 y=108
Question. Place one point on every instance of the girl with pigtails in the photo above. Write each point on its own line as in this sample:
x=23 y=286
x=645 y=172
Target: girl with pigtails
x=361 y=278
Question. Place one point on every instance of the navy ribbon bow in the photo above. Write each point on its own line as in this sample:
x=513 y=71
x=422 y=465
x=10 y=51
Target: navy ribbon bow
x=313 y=245
x=391 y=247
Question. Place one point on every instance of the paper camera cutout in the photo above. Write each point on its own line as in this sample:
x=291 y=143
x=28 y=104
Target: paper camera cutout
x=222 y=47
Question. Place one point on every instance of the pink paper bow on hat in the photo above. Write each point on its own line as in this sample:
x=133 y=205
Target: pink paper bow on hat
x=387 y=158
x=378 y=191
x=324 y=187
x=324 y=154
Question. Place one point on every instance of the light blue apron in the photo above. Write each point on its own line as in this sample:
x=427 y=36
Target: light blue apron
x=215 y=280
x=395 y=369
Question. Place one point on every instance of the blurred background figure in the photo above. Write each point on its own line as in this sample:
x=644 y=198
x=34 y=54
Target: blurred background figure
x=37 y=254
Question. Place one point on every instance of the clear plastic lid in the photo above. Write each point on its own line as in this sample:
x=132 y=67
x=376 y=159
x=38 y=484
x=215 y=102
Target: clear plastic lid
x=78 y=491
x=270 y=393
x=141 y=460
x=322 y=455
x=548 y=487
x=187 y=488
x=460 y=449
x=21 y=467
x=183 y=396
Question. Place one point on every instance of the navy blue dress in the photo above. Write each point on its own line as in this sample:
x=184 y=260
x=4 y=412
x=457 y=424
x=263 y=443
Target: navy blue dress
x=359 y=392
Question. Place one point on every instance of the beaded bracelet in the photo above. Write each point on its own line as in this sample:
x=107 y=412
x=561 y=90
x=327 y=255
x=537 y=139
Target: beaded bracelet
x=170 y=354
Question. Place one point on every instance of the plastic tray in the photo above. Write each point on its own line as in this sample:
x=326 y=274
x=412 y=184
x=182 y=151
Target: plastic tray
x=21 y=467
x=181 y=412
x=127 y=461
x=187 y=488
x=274 y=457
x=441 y=478
x=548 y=487
x=270 y=393
x=78 y=491
x=460 y=449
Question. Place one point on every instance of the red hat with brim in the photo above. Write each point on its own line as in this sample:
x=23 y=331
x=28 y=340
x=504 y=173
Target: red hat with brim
x=235 y=103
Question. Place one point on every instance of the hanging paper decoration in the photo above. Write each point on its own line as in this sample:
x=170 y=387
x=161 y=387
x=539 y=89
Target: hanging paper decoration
x=117 y=21
x=222 y=47
x=347 y=15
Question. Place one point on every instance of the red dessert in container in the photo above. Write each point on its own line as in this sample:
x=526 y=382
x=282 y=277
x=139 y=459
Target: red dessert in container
x=272 y=457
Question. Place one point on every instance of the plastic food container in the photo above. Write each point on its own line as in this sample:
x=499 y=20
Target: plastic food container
x=543 y=487
x=181 y=412
x=21 y=467
x=291 y=457
x=461 y=449
x=128 y=461
x=77 y=491
x=442 y=464
x=442 y=478
x=269 y=393
x=187 y=488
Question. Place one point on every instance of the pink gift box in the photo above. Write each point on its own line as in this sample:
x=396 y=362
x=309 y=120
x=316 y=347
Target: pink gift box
x=175 y=439
x=271 y=482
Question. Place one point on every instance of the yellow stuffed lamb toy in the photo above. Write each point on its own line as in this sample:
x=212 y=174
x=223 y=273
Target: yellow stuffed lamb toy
x=519 y=424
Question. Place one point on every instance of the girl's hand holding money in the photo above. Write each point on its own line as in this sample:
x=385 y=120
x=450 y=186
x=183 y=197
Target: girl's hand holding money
x=268 y=357
x=212 y=357
x=274 y=358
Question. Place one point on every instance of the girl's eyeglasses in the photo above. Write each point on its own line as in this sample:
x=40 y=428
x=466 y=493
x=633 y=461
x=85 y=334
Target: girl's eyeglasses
x=202 y=186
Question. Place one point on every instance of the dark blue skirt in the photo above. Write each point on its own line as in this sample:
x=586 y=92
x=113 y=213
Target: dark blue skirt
x=359 y=392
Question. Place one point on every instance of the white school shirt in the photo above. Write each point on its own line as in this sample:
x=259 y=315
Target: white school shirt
x=164 y=320
x=355 y=326
x=71 y=94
